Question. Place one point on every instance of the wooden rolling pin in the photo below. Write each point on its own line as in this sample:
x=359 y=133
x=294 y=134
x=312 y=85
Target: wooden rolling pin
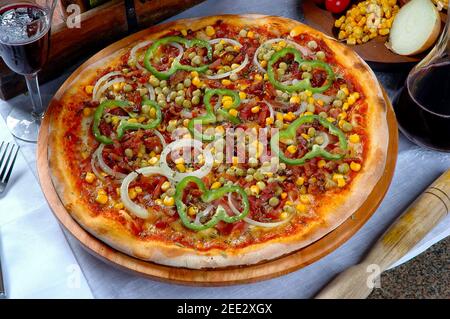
x=420 y=218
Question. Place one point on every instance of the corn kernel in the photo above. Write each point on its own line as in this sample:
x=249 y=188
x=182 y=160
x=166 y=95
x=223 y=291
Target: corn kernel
x=216 y=185
x=305 y=136
x=305 y=199
x=255 y=109
x=210 y=31
x=132 y=120
x=354 y=138
x=269 y=121
x=192 y=211
x=341 y=182
x=301 y=208
x=179 y=160
x=283 y=195
x=227 y=104
x=321 y=163
x=235 y=160
x=258 y=77
x=168 y=201
x=87 y=111
x=279 y=117
x=292 y=149
x=181 y=168
x=220 y=130
x=194 y=74
x=153 y=160
x=250 y=34
x=132 y=193
x=300 y=181
x=118 y=206
x=88 y=89
x=263 y=63
x=355 y=166
x=101 y=199
x=226 y=82
x=90 y=177
x=254 y=189
x=311 y=100
x=284 y=215
x=101 y=192
x=308 y=113
x=242 y=95
x=233 y=112
x=165 y=186
x=196 y=81
x=115 y=120
x=266 y=76
x=294 y=99
x=138 y=189
x=337 y=176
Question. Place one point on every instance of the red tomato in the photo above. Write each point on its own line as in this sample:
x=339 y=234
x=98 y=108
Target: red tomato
x=336 y=6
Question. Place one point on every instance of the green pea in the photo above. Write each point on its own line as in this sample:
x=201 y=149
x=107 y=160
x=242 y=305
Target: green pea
x=230 y=171
x=278 y=124
x=323 y=114
x=312 y=44
x=162 y=103
x=219 y=46
x=158 y=90
x=306 y=75
x=153 y=81
x=281 y=72
x=197 y=60
x=179 y=100
x=343 y=168
x=258 y=176
x=125 y=70
x=347 y=127
x=311 y=131
x=261 y=185
x=165 y=90
x=161 y=97
x=283 y=66
x=187 y=104
x=243 y=33
x=146 y=108
x=320 y=55
x=251 y=171
x=187 y=82
x=129 y=152
x=127 y=88
x=197 y=92
x=170 y=191
x=172 y=95
x=234 y=77
x=195 y=100
x=180 y=86
x=306 y=68
x=340 y=95
x=249 y=178
x=289 y=209
x=181 y=93
x=240 y=172
x=191 y=55
x=319 y=140
x=221 y=71
x=274 y=201
x=337 y=103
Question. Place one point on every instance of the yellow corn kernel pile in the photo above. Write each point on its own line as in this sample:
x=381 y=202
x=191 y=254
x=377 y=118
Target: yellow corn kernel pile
x=367 y=20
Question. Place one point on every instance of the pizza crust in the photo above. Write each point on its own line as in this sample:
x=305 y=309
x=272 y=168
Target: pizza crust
x=333 y=212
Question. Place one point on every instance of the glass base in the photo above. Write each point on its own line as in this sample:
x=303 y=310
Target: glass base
x=23 y=125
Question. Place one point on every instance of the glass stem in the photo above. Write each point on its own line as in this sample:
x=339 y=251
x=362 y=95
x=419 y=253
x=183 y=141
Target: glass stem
x=35 y=95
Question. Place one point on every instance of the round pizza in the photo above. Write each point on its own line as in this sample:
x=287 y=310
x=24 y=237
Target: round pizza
x=218 y=141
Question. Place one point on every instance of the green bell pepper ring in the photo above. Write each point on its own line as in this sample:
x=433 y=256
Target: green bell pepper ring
x=316 y=151
x=210 y=117
x=125 y=125
x=176 y=65
x=108 y=104
x=208 y=196
x=304 y=84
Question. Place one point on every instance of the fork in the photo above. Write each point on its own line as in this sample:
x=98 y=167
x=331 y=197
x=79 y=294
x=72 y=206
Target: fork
x=8 y=158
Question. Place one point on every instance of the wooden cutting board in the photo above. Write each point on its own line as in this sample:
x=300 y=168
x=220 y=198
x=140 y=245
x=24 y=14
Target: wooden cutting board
x=208 y=277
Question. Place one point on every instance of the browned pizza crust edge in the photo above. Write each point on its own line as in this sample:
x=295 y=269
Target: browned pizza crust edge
x=334 y=212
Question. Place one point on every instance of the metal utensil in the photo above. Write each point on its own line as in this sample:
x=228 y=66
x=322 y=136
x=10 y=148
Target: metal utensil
x=8 y=155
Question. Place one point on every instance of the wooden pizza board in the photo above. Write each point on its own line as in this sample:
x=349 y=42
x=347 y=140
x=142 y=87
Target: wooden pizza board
x=206 y=277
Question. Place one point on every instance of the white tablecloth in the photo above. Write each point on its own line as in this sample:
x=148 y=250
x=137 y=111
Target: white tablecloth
x=41 y=260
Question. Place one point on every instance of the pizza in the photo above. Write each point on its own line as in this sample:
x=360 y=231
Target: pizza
x=218 y=141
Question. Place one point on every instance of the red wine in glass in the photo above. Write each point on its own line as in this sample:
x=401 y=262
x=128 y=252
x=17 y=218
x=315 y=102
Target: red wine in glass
x=24 y=46
x=423 y=107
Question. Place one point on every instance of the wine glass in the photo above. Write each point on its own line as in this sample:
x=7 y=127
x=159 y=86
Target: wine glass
x=24 y=46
